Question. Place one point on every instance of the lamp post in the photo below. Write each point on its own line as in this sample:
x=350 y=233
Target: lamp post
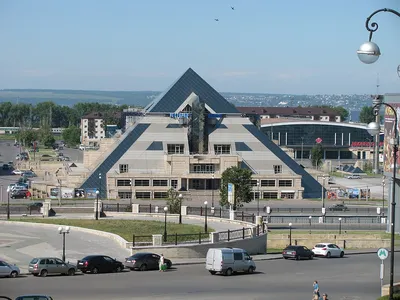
x=258 y=198
x=383 y=195
x=310 y=218
x=212 y=191
x=374 y=128
x=8 y=203
x=290 y=234
x=205 y=216
x=165 y=223
x=340 y=225
x=97 y=204
x=180 y=196
x=63 y=231
x=99 y=183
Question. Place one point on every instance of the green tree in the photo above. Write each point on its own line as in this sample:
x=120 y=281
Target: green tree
x=72 y=135
x=27 y=137
x=344 y=113
x=317 y=155
x=367 y=114
x=46 y=137
x=174 y=202
x=241 y=178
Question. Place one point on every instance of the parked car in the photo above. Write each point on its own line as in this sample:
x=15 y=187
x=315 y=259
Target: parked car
x=6 y=167
x=19 y=194
x=338 y=207
x=353 y=177
x=17 y=172
x=43 y=266
x=145 y=261
x=8 y=270
x=99 y=264
x=297 y=252
x=328 y=250
x=35 y=206
x=29 y=174
x=35 y=297
x=229 y=260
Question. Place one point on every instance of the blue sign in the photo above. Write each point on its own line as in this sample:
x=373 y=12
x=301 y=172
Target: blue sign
x=179 y=115
x=91 y=193
x=230 y=188
x=214 y=116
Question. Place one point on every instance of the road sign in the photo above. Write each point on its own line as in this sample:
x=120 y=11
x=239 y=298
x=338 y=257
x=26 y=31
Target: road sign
x=383 y=253
x=231 y=193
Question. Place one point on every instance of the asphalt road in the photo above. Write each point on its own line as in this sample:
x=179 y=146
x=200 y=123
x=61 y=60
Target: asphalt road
x=353 y=277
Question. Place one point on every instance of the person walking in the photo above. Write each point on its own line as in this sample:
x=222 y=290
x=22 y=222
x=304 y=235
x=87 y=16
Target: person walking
x=161 y=263
x=316 y=294
x=325 y=296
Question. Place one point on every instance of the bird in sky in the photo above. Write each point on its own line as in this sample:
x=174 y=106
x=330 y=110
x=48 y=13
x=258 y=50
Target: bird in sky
x=233 y=8
x=216 y=20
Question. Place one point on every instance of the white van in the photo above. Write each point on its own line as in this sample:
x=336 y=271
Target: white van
x=229 y=260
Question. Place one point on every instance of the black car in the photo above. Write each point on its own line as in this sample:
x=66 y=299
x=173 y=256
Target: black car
x=297 y=252
x=145 y=261
x=35 y=206
x=338 y=207
x=6 y=167
x=19 y=194
x=99 y=264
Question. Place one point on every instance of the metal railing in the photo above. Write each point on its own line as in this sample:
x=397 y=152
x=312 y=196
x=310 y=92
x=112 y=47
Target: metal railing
x=191 y=238
x=142 y=240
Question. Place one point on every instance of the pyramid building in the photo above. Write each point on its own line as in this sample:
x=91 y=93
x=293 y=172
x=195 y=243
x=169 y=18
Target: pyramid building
x=185 y=139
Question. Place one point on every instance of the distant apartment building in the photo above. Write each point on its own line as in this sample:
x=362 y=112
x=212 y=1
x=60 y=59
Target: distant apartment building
x=130 y=116
x=92 y=129
x=309 y=113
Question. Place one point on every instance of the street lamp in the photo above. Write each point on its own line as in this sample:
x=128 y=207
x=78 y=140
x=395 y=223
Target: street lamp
x=310 y=218
x=97 y=204
x=340 y=225
x=165 y=223
x=180 y=196
x=212 y=191
x=258 y=198
x=290 y=234
x=369 y=52
x=99 y=182
x=63 y=231
x=374 y=128
x=205 y=217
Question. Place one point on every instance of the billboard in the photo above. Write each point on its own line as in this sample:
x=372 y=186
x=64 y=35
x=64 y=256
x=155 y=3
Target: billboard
x=67 y=193
x=389 y=134
x=54 y=192
x=91 y=193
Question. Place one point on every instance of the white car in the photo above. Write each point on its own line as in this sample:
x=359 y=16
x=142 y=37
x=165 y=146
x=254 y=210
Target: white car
x=353 y=177
x=327 y=250
x=8 y=270
x=17 y=172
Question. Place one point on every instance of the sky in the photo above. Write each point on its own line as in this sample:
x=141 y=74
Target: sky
x=262 y=46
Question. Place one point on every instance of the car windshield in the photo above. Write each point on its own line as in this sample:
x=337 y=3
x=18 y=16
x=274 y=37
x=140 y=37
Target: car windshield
x=290 y=248
x=34 y=261
x=319 y=246
x=138 y=255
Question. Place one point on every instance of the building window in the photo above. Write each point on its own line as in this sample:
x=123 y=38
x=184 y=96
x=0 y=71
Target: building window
x=202 y=168
x=254 y=182
x=124 y=182
x=287 y=195
x=222 y=149
x=278 y=169
x=160 y=195
x=160 y=182
x=255 y=195
x=270 y=195
x=142 y=195
x=125 y=195
x=268 y=182
x=174 y=183
x=142 y=182
x=123 y=168
x=175 y=148
x=285 y=183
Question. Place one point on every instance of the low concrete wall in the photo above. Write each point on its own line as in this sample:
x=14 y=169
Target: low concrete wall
x=385 y=289
x=256 y=245
x=352 y=241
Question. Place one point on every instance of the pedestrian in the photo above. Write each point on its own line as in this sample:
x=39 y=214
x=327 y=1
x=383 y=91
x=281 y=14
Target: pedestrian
x=325 y=296
x=161 y=263
x=316 y=294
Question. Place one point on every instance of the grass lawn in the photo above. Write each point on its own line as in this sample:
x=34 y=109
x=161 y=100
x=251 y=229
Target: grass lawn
x=127 y=228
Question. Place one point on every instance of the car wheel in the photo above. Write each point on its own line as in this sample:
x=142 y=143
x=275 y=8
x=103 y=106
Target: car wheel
x=341 y=254
x=311 y=256
x=14 y=274
x=328 y=255
x=285 y=257
x=228 y=272
x=95 y=270
x=250 y=270
x=43 y=273
x=118 y=269
x=71 y=272
x=169 y=265
x=213 y=272
x=297 y=257
x=143 y=267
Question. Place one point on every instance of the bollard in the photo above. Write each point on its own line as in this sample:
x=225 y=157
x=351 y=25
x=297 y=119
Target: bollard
x=133 y=240
x=295 y=242
x=258 y=230
x=201 y=210
x=229 y=235
x=199 y=237
x=344 y=244
x=242 y=215
x=220 y=212
x=118 y=207
x=176 y=239
x=252 y=218
x=243 y=232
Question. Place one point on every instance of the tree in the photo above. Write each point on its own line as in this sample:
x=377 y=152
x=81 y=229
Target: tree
x=27 y=137
x=46 y=137
x=344 y=113
x=317 y=155
x=174 y=202
x=367 y=114
x=72 y=135
x=241 y=178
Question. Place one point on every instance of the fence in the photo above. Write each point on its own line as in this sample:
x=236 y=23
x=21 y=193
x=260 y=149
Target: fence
x=142 y=240
x=191 y=238
x=345 y=219
x=117 y=207
x=238 y=234
x=20 y=209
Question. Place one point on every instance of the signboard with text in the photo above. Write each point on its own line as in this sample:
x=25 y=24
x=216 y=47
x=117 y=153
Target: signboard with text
x=389 y=133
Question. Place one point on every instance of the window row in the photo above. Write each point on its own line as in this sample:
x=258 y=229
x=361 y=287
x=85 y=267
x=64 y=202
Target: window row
x=271 y=182
x=272 y=195
x=143 y=195
x=146 y=182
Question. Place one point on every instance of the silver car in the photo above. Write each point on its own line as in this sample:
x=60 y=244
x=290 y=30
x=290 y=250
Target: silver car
x=42 y=266
x=8 y=270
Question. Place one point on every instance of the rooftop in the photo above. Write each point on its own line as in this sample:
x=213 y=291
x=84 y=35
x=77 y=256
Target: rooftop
x=288 y=111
